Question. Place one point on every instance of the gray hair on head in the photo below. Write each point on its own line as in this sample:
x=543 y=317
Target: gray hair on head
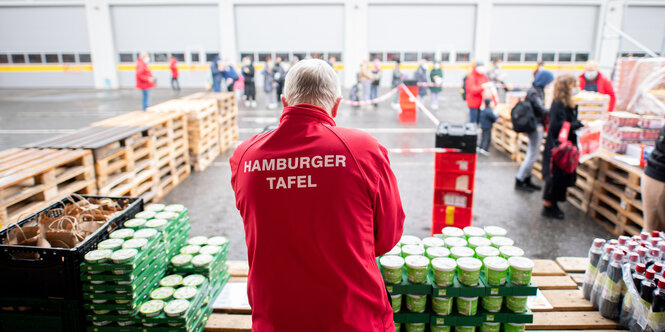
x=312 y=82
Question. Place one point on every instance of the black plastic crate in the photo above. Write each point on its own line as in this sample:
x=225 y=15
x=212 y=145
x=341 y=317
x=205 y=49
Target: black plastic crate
x=28 y=315
x=55 y=273
x=457 y=136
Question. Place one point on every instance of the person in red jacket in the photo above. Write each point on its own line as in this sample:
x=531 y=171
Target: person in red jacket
x=144 y=79
x=593 y=80
x=474 y=90
x=175 y=85
x=319 y=203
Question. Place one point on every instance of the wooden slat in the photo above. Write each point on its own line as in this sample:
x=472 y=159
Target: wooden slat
x=578 y=278
x=238 y=268
x=554 y=282
x=567 y=300
x=573 y=264
x=574 y=320
x=229 y=323
x=547 y=267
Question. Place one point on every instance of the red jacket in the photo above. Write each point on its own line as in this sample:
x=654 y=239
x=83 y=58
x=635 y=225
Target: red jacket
x=474 y=89
x=174 y=68
x=144 y=79
x=604 y=86
x=319 y=203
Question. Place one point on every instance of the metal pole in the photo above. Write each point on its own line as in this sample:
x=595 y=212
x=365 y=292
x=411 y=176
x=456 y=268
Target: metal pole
x=632 y=40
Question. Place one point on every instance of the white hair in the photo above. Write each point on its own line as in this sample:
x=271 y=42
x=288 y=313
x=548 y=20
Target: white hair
x=312 y=82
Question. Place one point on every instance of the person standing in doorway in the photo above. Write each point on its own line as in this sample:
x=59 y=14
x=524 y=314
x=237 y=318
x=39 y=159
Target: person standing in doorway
x=593 y=80
x=217 y=74
x=536 y=97
x=563 y=110
x=175 y=85
x=436 y=76
x=278 y=76
x=144 y=79
x=269 y=83
x=653 y=187
x=396 y=81
x=474 y=90
x=250 y=86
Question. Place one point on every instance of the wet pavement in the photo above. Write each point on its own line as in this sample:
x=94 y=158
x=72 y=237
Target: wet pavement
x=28 y=115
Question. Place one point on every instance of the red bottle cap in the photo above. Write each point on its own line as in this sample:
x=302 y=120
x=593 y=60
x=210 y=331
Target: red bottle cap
x=654 y=252
x=609 y=249
x=661 y=283
x=642 y=252
x=640 y=268
x=655 y=233
x=618 y=256
x=613 y=242
x=644 y=236
x=654 y=242
x=633 y=257
x=662 y=246
x=636 y=238
x=623 y=239
x=598 y=242
x=644 y=244
x=658 y=267
x=632 y=245
x=649 y=274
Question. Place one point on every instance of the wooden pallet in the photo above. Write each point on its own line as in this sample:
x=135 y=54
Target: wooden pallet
x=504 y=138
x=32 y=179
x=171 y=144
x=226 y=101
x=228 y=132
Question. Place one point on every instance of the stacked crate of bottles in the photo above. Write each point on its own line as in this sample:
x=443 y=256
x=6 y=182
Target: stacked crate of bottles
x=624 y=280
x=471 y=278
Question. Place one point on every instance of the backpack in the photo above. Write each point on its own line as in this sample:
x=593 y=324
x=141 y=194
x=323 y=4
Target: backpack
x=565 y=156
x=523 y=118
x=463 y=89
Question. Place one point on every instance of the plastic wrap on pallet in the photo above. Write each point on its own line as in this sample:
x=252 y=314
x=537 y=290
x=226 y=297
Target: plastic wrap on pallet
x=641 y=313
x=647 y=75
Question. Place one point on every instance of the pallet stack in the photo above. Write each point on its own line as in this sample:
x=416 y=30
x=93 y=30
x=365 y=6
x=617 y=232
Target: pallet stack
x=591 y=105
x=504 y=137
x=32 y=179
x=522 y=144
x=203 y=122
x=171 y=144
x=124 y=158
x=580 y=194
x=228 y=115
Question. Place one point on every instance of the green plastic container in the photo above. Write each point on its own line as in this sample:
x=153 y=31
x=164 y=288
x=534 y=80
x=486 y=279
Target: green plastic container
x=520 y=270
x=416 y=268
x=452 y=232
x=484 y=252
x=431 y=242
x=492 y=231
x=501 y=241
x=443 y=270
x=442 y=306
x=436 y=252
x=416 y=303
x=516 y=304
x=409 y=240
x=395 y=251
x=475 y=242
x=514 y=327
x=492 y=303
x=412 y=249
x=396 y=301
x=467 y=306
x=468 y=271
x=490 y=327
x=391 y=269
x=496 y=270
x=472 y=231
x=439 y=328
x=452 y=242
x=511 y=251
x=415 y=327
x=461 y=252
x=465 y=328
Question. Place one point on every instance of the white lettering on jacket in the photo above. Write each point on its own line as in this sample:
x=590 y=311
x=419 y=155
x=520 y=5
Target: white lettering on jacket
x=293 y=163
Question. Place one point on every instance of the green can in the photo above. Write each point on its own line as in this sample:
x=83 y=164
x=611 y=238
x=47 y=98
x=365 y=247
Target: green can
x=439 y=328
x=465 y=329
x=468 y=271
x=416 y=303
x=516 y=304
x=398 y=326
x=416 y=268
x=467 y=306
x=396 y=301
x=520 y=270
x=443 y=270
x=496 y=270
x=436 y=252
x=442 y=306
x=490 y=327
x=415 y=327
x=492 y=303
x=391 y=269
x=514 y=327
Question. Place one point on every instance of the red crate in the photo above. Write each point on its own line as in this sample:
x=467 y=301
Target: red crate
x=444 y=216
x=453 y=198
x=460 y=181
x=455 y=161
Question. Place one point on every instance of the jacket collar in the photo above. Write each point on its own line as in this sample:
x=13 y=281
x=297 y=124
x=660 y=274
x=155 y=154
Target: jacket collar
x=307 y=110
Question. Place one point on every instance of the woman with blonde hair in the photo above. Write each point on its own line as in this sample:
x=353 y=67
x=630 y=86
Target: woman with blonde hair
x=563 y=110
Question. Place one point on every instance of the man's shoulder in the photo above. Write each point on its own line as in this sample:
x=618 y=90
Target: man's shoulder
x=356 y=138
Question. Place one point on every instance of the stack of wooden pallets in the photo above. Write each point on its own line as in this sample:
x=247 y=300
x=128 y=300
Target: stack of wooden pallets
x=171 y=144
x=124 y=158
x=504 y=137
x=228 y=115
x=203 y=122
x=32 y=179
x=580 y=194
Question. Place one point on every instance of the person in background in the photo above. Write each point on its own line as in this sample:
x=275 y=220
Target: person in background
x=496 y=75
x=474 y=90
x=365 y=76
x=331 y=61
x=250 y=86
x=144 y=79
x=487 y=119
x=653 y=187
x=376 y=71
x=539 y=67
x=563 y=110
x=536 y=97
x=396 y=81
x=278 y=76
x=346 y=210
x=421 y=77
x=436 y=76
x=217 y=74
x=175 y=85
x=593 y=80
x=230 y=75
x=269 y=83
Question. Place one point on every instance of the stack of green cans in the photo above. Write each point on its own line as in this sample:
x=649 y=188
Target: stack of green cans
x=171 y=220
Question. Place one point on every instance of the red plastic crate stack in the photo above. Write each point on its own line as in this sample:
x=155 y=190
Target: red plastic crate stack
x=454 y=177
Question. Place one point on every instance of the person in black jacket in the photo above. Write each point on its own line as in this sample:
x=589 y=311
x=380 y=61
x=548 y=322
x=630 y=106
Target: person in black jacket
x=278 y=76
x=536 y=97
x=563 y=110
x=250 y=86
x=653 y=187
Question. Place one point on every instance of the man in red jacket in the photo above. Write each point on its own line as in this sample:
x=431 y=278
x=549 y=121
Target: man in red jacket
x=144 y=79
x=319 y=203
x=175 y=85
x=474 y=90
x=593 y=80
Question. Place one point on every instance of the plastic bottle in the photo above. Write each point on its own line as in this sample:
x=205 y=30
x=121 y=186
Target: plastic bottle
x=623 y=240
x=655 y=242
x=595 y=252
x=644 y=236
x=662 y=251
x=609 y=304
x=600 y=277
x=655 y=234
x=632 y=246
x=627 y=305
x=642 y=252
x=653 y=256
x=647 y=287
x=658 y=268
x=658 y=304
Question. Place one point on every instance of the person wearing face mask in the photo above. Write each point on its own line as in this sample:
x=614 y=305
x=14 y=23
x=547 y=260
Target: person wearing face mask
x=217 y=74
x=421 y=77
x=144 y=79
x=436 y=76
x=593 y=80
x=563 y=110
x=250 y=87
x=269 y=83
x=474 y=90
x=229 y=74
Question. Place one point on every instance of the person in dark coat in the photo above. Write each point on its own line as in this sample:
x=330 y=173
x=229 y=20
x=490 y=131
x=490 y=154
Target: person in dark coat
x=487 y=119
x=536 y=97
x=421 y=77
x=250 y=86
x=230 y=75
x=563 y=110
x=653 y=187
x=217 y=75
x=278 y=76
